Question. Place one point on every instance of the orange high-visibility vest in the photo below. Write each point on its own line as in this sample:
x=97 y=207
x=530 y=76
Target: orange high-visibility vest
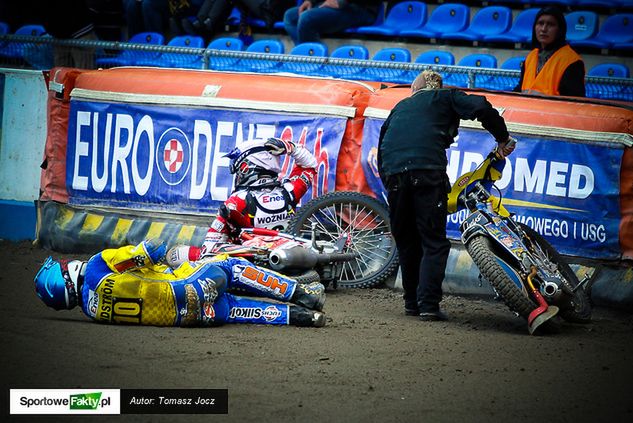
x=548 y=79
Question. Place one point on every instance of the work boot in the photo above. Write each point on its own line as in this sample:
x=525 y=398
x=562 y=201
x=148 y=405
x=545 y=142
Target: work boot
x=310 y=295
x=301 y=316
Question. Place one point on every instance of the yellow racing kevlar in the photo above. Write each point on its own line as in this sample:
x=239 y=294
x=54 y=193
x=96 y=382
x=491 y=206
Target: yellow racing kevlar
x=142 y=293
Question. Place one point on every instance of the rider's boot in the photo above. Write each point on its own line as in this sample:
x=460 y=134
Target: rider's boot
x=310 y=295
x=301 y=316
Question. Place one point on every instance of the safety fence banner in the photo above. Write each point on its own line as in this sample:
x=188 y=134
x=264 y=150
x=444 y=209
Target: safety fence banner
x=157 y=157
x=566 y=191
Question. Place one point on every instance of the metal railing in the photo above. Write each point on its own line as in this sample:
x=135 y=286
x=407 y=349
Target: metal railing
x=46 y=52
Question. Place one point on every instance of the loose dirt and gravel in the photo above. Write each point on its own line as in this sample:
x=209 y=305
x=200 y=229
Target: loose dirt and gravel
x=371 y=363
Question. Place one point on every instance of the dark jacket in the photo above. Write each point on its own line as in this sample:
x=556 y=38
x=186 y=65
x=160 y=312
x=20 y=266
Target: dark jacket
x=421 y=127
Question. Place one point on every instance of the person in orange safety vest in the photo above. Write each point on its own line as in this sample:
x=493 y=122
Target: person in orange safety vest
x=552 y=67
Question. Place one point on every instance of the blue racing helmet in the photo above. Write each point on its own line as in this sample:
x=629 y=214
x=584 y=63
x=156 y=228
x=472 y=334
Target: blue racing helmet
x=56 y=283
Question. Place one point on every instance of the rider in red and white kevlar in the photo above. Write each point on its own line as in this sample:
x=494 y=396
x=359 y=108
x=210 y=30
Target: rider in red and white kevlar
x=260 y=198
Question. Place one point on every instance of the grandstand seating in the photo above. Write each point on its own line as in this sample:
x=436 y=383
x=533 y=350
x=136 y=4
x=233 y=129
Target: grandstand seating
x=303 y=68
x=131 y=57
x=402 y=16
x=447 y=17
x=388 y=54
x=476 y=60
x=616 y=29
x=581 y=25
x=177 y=60
x=565 y=3
x=357 y=52
x=607 y=90
x=610 y=70
x=270 y=46
x=491 y=20
x=503 y=83
x=15 y=49
x=224 y=43
x=429 y=57
x=521 y=31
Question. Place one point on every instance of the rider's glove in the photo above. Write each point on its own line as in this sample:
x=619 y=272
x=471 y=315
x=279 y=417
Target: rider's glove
x=277 y=146
x=177 y=255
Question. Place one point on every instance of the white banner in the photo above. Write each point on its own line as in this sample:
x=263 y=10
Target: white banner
x=65 y=401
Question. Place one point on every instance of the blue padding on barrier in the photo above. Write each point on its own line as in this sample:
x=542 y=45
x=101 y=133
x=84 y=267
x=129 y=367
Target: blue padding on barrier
x=17 y=220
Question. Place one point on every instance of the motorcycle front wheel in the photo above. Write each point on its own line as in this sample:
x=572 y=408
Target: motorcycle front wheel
x=496 y=271
x=366 y=222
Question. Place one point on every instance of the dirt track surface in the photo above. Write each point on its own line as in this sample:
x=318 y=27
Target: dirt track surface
x=371 y=363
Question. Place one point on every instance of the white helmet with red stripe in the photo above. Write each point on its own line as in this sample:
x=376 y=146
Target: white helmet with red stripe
x=252 y=161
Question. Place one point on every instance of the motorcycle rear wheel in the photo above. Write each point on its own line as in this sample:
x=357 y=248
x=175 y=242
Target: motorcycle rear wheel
x=577 y=308
x=366 y=220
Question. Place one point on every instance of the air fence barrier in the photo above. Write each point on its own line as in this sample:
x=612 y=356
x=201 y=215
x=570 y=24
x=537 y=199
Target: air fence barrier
x=46 y=52
x=72 y=226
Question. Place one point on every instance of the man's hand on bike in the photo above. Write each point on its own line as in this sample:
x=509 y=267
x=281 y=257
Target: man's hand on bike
x=506 y=148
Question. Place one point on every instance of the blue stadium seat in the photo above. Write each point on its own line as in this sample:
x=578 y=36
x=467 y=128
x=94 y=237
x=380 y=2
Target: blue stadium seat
x=504 y=83
x=581 y=25
x=405 y=15
x=491 y=20
x=430 y=57
x=513 y=3
x=305 y=49
x=15 y=49
x=356 y=52
x=521 y=31
x=612 y=91
x=4 y=28
x=436 y=57
x=234 y=17
x=177 y=60
x=477 y=60
x=616 y=29
x=268 y=46
x=447 y=17
x=224 y=43
x=567 y=3
x=607 y=4
x=131 y=57
x=610 y=70
x=623 y=46
x=380 y=18
x=388 y=54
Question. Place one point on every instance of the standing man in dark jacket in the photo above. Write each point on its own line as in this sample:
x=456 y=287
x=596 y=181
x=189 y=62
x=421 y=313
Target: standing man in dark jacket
x=412 y=164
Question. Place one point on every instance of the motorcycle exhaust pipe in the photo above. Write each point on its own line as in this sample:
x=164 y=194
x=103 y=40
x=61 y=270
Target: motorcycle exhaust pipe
x=551 y=291
x=302 y=258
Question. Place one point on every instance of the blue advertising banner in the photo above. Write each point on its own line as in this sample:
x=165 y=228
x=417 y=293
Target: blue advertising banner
x=171 y=158
x=566 y=191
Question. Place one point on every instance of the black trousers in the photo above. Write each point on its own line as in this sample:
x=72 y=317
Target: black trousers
x=417 y=210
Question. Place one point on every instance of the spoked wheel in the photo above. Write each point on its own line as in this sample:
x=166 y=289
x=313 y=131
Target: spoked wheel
x=366 y=222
